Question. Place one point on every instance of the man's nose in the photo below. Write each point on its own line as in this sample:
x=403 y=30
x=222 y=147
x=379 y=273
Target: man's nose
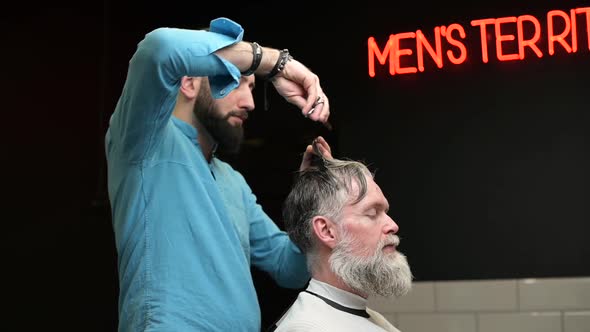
x=247 y=102
x=391 y=226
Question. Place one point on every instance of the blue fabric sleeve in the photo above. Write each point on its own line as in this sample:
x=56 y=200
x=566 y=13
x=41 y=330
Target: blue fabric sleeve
x=273 y=251
x=162 y=58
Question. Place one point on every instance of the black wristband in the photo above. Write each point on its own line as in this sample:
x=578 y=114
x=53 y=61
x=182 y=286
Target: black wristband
x=256 y=59
x=284 y=57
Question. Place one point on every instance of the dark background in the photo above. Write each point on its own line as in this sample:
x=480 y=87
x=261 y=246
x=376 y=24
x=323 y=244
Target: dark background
x=484 y=165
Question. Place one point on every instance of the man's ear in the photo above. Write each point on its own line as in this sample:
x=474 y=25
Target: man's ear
x=189 y=86
x=325 y=230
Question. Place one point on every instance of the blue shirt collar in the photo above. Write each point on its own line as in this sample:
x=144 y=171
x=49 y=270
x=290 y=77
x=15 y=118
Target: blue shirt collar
x=192 y=133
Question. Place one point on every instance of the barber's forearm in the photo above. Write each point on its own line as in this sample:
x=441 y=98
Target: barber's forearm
x=242 y=55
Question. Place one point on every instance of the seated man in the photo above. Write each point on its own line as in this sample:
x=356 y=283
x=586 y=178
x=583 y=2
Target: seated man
x=337 y=215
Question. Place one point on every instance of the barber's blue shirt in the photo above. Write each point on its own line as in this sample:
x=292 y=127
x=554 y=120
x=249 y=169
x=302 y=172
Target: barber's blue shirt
x=186 y=230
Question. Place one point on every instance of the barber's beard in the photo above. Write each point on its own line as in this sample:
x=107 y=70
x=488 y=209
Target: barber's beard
x=228 y=137
x=384 y=274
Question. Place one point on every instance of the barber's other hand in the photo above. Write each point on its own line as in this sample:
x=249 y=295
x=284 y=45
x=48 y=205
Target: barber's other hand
x=301 y=87
x=308 y=155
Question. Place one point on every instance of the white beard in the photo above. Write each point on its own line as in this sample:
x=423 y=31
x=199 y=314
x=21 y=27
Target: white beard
x=377 y=274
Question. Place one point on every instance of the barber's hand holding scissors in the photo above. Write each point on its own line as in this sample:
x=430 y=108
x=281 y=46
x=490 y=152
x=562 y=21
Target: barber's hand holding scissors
x=301 y=87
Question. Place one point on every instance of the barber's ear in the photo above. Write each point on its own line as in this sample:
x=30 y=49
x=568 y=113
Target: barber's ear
x=325 y=230
x=189 y=86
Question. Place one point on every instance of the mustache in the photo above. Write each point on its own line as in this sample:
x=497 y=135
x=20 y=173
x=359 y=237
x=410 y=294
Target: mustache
x=392 y=240
x=241 y=114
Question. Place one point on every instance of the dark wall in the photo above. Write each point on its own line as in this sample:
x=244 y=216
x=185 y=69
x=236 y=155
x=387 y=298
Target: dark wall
x=484 y=164
x=59 y=268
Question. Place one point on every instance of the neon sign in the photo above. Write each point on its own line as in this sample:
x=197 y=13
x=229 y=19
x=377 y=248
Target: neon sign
x=449 y=43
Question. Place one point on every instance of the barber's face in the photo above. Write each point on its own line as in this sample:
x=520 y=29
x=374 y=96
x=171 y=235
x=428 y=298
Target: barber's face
x=224 y=118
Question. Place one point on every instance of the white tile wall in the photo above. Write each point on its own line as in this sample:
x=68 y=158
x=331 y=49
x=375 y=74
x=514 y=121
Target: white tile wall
x=419 y=299
x=520 y=322
x=564 y=293
x=509 y=305
x=492 y=295
x=578 y=321
x=436 y=322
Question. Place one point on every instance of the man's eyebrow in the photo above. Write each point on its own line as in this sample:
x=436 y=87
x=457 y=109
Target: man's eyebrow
x=378 y=205
x=251 y=83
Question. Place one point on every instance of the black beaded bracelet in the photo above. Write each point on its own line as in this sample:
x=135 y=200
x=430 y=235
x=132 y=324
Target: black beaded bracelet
x=256 y=59
x=284 y=57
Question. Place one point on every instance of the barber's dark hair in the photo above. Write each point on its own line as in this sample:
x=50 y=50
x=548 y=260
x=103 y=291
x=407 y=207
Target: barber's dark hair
x=323 y=190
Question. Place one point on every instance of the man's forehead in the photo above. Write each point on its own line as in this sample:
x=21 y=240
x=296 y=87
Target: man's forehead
x=249 y=80
x=375 y=196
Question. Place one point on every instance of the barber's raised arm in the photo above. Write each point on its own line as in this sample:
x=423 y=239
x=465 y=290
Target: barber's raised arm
x=292 y=80
x=165 y=55
x=162 y=58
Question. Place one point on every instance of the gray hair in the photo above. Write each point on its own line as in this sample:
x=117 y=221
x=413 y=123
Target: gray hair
x=321 y=191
